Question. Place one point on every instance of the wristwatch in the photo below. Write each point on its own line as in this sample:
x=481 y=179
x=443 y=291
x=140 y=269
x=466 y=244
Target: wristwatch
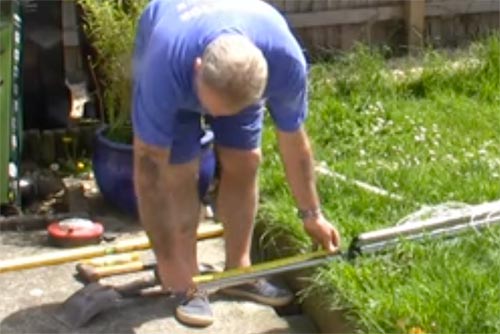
x=306 y=214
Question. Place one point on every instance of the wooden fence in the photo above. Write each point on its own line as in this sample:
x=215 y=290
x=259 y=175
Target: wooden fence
x=339 y=24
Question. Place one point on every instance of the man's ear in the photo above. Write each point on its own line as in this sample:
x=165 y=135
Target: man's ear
x=197 y=65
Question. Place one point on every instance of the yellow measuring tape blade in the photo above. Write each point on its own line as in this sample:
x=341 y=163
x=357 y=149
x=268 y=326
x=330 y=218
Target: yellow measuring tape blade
x=274 y=264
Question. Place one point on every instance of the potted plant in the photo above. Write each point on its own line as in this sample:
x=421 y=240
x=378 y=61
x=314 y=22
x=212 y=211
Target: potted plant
x=111 y=26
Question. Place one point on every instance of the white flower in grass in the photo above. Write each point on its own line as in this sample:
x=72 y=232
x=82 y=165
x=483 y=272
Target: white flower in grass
x=375 y=129
x=456 y=65
x=469 y=155
x=416 y=72
x=473 y=62
x=451 y=158
x=398 y=75
x=493 y=164
x=362 y=152
x=396 y=149
x=482 y=152
x=361 y=163
x=488 y=143
x=419 y=138
x=495 y=175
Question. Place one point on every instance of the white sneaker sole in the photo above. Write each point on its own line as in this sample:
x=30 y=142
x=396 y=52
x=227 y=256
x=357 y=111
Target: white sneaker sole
x=193 y=320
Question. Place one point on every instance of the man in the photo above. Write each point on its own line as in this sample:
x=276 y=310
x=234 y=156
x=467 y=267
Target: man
x=219 y=59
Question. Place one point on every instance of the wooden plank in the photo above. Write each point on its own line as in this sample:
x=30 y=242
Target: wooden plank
x=447 y=32
x=350 y=34
x=318 y=38
x=332 y=4
x=300 y=5
x=305 y=38
x=345 y=16
x=489 y=22
x=434 y=31
x=291 y=6
x=493 y=21
x=287 y=6
x=332 y=33
x=322 y=17
x=415 y=24
x=459 y=30
x=451 y=8
x=318 y=6
x=305 y=6
x=339 y=4
x=278 y=4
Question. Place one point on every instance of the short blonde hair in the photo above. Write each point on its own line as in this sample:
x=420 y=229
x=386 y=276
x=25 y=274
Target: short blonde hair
x=235 y=67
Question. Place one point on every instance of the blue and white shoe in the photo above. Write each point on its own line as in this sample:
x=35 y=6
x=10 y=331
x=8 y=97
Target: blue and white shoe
x=261 y=291
x=194 y=309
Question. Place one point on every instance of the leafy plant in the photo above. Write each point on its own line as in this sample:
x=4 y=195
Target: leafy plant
x=111 y=27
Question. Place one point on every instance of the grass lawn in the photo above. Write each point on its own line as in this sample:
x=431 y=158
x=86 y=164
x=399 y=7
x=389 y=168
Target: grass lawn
x=428 y=130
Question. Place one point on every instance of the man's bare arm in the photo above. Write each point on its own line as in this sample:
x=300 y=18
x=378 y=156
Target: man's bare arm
x=299 y=167
x=298 y=159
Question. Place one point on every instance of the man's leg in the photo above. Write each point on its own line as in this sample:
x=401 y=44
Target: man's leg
x=169 y=211
x=238 y=141
x=237 y=202
x=166 y=186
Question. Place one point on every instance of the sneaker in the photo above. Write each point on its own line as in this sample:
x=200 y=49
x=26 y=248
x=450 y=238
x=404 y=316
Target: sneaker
x=194 y=309
x=261 y=291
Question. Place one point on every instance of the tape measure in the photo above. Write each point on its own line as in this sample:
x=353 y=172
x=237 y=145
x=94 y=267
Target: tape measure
x=74 y=232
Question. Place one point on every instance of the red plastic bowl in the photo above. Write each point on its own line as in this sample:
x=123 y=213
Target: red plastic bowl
x=74 y=232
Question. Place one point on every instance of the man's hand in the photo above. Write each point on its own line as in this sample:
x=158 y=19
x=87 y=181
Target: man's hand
x=322 y=232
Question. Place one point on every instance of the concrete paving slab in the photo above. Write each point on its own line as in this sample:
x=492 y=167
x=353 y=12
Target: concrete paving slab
x=29 y=298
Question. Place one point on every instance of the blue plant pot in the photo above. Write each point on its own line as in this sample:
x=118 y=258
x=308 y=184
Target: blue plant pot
x=113 y=170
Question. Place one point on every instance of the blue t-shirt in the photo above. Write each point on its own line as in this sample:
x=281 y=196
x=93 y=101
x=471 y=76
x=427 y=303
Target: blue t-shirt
x=173 y=33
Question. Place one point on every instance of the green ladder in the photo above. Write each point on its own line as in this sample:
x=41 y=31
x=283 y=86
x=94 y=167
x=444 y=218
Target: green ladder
x=10 y=100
